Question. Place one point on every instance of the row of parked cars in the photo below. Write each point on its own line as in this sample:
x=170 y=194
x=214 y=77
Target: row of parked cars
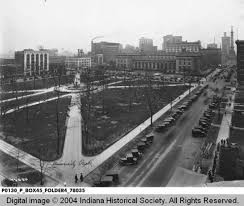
x=135 y=153
x=169 y=121
x=205 y=121
x=111 y=177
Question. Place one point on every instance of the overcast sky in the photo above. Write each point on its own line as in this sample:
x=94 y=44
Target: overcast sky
x=71 y=24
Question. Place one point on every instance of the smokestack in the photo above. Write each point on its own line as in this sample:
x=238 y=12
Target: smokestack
x=232 y=38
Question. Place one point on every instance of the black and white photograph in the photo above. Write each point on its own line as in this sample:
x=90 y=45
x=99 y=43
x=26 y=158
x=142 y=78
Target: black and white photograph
x=121 y=93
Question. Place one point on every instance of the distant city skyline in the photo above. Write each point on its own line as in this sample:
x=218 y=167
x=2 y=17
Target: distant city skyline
x=71 y=24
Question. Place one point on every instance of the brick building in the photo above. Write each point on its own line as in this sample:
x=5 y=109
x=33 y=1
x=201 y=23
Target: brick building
x=32 y=62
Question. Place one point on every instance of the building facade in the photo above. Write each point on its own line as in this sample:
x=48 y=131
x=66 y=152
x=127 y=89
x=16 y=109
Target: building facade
x=210 y=57
x=188 y=63
x=108 y=49
x=170 y=39
x=169 y=63
x=57 y=64
x=77 y=63
x=240 y=61
x=225 y=48
x=146 y=45
x=32 y=62
x=183 y=46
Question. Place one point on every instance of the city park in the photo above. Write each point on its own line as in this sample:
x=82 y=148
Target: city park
x=75 y=123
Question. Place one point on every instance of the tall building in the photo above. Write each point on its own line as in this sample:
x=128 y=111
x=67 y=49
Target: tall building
x=32 y=62
x=146 y=45
x=175 y=44
x=240 y=61
x=232 y=55
x=170 y=39
x=108 y=49
x=210 y=57
x=225 y=48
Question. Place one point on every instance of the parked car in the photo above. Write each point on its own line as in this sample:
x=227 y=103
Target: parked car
x=198 y=133
x=106 y=181
x=204 y=124
x=161 y=128
x=150 y=138
x=114 y=174
x=136 y=153
x=128 y=160
x=144 y=140
x=141 y=146
x=201 y=128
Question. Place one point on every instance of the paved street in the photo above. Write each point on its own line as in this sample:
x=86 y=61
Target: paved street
x=168 y=153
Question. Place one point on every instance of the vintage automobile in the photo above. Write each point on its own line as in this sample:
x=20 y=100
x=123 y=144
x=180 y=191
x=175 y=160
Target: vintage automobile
x=150 y=138
x=141 y=146
x=198 y=133
x=114 y=174
x=105 y=181
x=128 y=160
x=136 y=153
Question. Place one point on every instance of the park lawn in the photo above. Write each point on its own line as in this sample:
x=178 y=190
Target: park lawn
x=118 y=117
x=143 y=82
x=4 y=96
x=39 y=130
x=20 y=102
x=37 y=84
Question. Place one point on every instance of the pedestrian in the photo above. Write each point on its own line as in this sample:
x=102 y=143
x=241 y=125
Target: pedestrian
x=64 y=184
x=76 y=178
x=81 y=177
x=225 y=112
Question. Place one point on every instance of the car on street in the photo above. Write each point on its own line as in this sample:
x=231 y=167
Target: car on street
x=129 y=159
x=198 y=133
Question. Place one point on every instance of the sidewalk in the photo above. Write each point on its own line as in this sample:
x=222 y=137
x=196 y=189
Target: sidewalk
x=73 y=162
x=226 y=121
x=35 y=103
x=29 y=95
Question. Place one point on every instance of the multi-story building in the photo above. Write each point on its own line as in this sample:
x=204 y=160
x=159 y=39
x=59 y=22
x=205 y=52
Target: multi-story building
x=225 y=48
x=170 y=39
x=77 y=63
x=57 y=64
x=188 y=63
x=32 y=62
x=210 y=57
x=240 y=61
x=166 y=62
x=182 y=46
x=108 y=49
x=146 y=45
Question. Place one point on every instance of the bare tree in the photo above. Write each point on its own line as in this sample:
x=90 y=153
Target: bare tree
x=86 y=107
x=57 y=102
x=43 y=165
x=148 y=93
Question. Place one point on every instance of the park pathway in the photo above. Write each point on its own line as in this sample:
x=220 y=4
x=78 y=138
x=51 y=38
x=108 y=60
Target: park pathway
x=72 y=161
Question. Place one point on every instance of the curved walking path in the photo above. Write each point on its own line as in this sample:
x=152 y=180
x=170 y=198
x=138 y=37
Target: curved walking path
x=72 y=160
